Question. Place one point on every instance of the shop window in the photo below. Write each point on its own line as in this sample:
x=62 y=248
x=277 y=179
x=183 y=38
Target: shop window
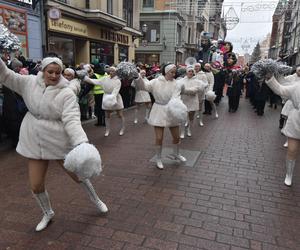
x=64 y=48
x=148 y=3
x=102 y=52
x=153 y=31
x=123 y=53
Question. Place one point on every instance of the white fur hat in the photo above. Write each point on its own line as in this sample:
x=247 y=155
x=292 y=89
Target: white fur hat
x=48 y=60
x=71 y=71
x=169 y=67
x=188 y=68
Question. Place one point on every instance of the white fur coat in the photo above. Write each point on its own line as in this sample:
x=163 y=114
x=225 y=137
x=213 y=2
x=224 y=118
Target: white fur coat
x=291 y=92
x=51 y=127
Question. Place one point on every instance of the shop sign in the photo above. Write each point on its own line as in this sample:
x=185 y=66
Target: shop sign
x=68 y=26
x=114 y=36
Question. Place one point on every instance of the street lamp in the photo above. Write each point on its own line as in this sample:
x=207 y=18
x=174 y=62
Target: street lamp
x=144 y=28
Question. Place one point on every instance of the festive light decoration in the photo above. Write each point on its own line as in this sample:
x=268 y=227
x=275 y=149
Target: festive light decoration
x=8 y=41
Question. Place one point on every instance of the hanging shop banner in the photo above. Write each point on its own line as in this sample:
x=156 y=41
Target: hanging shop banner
x=16 y=21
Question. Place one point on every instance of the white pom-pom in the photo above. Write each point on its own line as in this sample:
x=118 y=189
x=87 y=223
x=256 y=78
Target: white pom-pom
x=109 y=101
x=84 y=161
x=210 y=96
x=176 y=110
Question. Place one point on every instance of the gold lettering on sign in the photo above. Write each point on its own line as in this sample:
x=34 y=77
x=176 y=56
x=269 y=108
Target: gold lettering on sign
x=68 y=26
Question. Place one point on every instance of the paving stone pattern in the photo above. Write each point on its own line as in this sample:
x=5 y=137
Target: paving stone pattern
x=232 y=198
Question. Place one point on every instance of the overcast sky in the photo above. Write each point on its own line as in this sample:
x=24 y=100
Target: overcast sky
x=255 y=22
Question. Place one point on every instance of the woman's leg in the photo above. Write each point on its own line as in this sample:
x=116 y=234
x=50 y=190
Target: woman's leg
x=107 y=122
x=88 y=187
x=121 y=116
x=37 y=174
x=176 y=141
x=159 y=134
x=292 y=153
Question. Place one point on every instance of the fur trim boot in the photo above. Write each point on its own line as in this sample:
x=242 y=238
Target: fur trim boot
x=88 y=187
x=159 y=163
x=44 y=202
x=107 y=126
x=290 y=165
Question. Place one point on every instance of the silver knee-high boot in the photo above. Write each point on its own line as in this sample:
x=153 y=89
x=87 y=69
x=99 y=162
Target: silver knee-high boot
x=182 y=130
x=122 y=130
x=159 y=163
x=147 y=114
x=176 y=153
x=290 y=165
x=214 y=108
x=107 y=126
x=135 y=115
x=189 y=128
x=201 y=119
x=44 y=202
x=88 y=187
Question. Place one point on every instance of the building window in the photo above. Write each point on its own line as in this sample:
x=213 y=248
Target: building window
x=148 y=3
x=110 y=6
x=150 y=59
x=128 y=12
x=178 y=38
x=102 y=52
x=87 y=4
x=153 y=31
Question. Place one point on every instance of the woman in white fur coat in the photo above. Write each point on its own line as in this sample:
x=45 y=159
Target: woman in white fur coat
x=292 y=127
x=200 y=75
x=192 y=87
x=288 y=106
x=74 y=83
x=112 y=100
x=164 y=88
x=211 y=82
x=50 y=129
x=141 y=97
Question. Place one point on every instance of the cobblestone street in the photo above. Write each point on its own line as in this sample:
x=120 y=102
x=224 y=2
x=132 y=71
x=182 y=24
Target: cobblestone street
x=232 y=198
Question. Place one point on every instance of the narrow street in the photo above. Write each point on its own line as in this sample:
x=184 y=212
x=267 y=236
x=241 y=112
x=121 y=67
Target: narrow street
x=232 y=198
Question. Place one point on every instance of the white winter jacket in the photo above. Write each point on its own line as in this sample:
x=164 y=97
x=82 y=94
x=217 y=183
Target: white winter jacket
x=51 y=127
